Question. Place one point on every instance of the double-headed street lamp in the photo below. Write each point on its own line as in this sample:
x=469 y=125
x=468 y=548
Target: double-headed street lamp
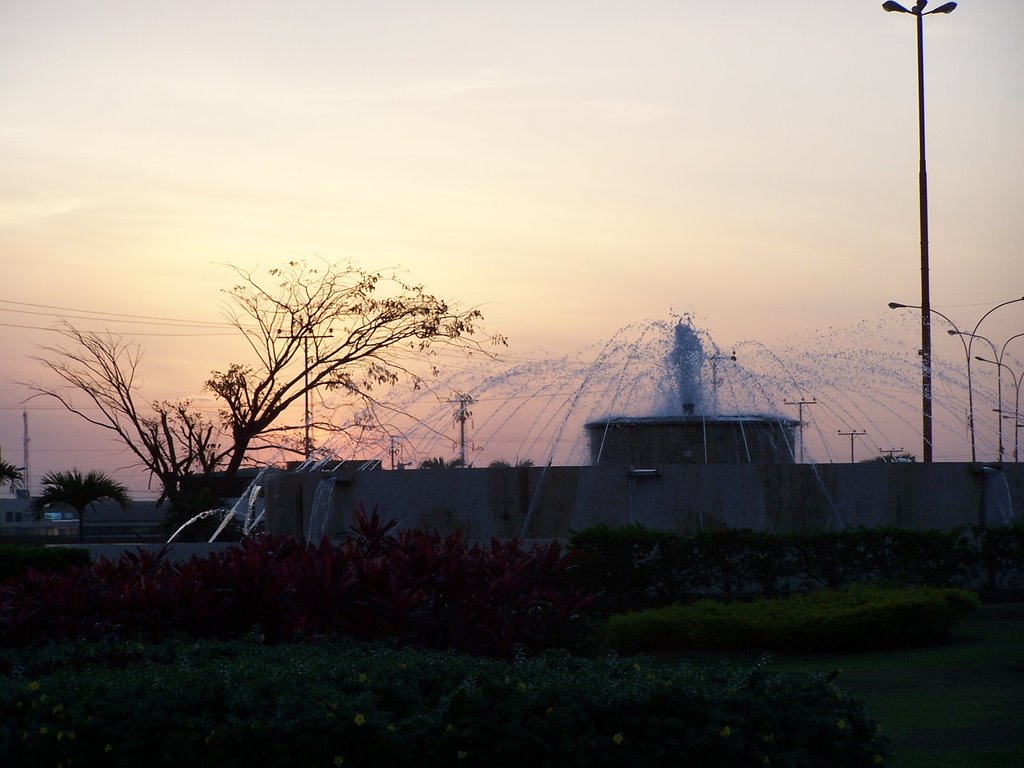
x=926 y=331
x=972 y=335
x=998 y=362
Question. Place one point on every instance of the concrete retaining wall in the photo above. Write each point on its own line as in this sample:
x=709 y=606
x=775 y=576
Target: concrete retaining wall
x=539 y=503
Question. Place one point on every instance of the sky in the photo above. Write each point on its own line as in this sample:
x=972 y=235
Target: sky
x=570 y=168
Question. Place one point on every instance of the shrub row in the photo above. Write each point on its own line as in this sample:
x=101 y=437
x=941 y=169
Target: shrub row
x=412 y=586
x=634 y=567
x=241 y=703
x=16 y=559
x=827 y=621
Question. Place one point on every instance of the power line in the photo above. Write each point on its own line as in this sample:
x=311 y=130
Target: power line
x=110 y=314
x=133 y=333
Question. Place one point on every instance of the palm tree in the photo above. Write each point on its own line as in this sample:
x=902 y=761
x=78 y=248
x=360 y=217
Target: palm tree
x=79 y=492
x=440 y=462
x=10 y=475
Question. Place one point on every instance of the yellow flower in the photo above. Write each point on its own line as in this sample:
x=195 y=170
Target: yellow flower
x=636 y=667
x=450 y=728
x=108 y=748
x=878 y=759
x=360 y=719
x=521 y=686
x=363 y=678
x=58 y=709
x=617 y=738
x=725 y=732
x=841 y=724
x=461 y=754
x=34 y=685
x=42 y=730
x=339 y=760
x=391 y=727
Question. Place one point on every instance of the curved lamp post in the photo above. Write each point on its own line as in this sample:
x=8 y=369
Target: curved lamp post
x=918 y=11
x=972 y=335
x=998 y=362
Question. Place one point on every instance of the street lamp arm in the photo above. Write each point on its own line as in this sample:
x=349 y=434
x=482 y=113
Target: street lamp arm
x=997 y=306
x=1006 y=343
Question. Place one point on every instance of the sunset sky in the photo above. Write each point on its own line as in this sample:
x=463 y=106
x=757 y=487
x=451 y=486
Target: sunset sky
x=568 y=167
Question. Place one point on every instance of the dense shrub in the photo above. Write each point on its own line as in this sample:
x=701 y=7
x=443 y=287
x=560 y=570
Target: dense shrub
x=16 y=559
x=1000 y=556
x=413 y=586
x=244 y=704
x=630 y=568
x=851 y=620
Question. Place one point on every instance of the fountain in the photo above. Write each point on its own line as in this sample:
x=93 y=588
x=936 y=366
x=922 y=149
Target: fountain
x=702 y=443
x=696 y=434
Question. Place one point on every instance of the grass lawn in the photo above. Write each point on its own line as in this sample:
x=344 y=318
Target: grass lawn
x=953 y=706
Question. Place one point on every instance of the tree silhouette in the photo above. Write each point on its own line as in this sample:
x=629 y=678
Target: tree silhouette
x=79 y=492
x=307 y=330
x=439 y=462
x=10 y=475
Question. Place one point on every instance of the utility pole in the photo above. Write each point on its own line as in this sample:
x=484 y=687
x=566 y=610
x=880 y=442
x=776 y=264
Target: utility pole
x=800 y=409
x=853 y=433
x=890 y=451
x=461 y=415
x=25 y=441
x=394 y=451
x=300 y=332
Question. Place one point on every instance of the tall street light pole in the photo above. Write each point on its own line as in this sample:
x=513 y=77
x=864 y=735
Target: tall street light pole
x=926 y=330
x=954 y=331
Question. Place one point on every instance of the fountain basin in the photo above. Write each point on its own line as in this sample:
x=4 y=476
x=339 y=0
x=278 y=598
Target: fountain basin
x=648 y=441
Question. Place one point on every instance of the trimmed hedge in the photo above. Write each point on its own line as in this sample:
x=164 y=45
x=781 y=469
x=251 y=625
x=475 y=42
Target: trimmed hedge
x=15 y=559
x=828 y=621
x=241 y=703
x=630 y=568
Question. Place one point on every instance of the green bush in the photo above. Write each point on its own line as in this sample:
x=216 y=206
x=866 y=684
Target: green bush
x=243 y=704
x=1000 y=553
x=856 y=619
x=15 y=559
x=633 y=568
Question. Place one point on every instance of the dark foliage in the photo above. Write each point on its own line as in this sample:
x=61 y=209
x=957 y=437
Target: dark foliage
x=630 y=568
x=414 y=587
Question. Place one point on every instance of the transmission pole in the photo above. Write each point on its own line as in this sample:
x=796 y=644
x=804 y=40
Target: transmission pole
x=305 y=334
x=800 y=408
x=852 y=434
x=25 y=441
x=461 y=415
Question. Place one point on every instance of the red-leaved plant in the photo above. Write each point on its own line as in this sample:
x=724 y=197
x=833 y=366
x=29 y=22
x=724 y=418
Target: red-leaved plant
x=414 y=587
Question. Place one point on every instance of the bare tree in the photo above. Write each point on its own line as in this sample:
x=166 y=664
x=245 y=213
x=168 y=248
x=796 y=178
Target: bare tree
x=309 y=329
